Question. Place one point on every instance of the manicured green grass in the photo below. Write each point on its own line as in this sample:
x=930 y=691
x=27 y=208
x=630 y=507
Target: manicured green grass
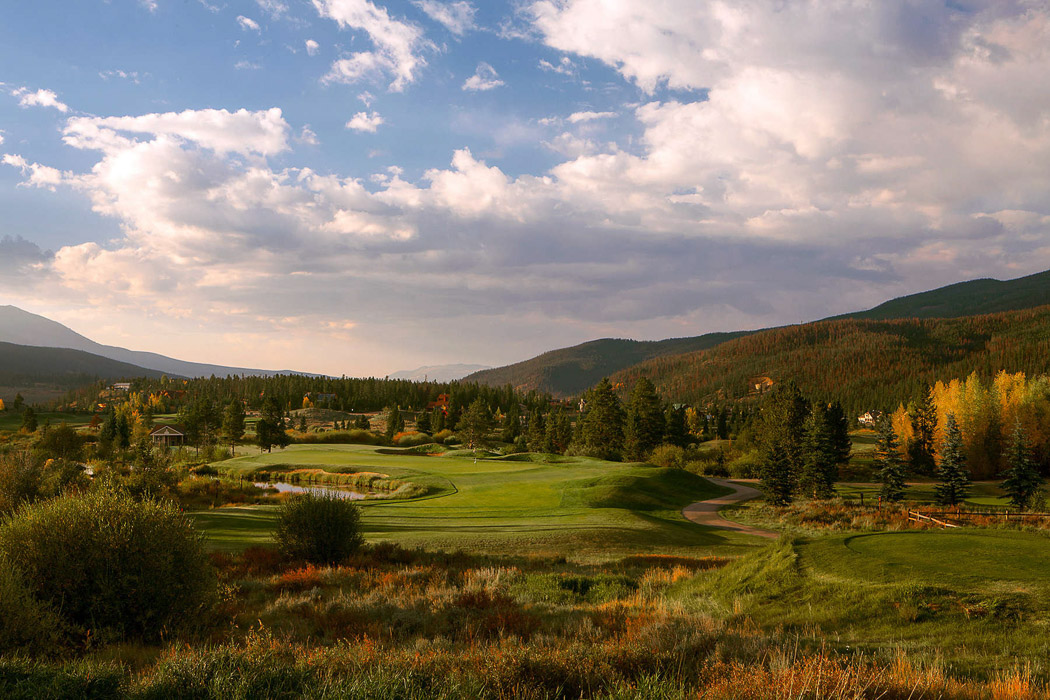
x=11 y=420
x=582 y=509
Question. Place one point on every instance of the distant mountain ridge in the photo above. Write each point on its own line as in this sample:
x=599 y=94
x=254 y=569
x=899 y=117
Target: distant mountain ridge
x=24 y=328
x=62 y=366
x=569 y=371
x=438 y=373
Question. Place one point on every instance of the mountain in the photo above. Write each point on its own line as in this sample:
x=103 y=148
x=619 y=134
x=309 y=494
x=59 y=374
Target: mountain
x=976 y=297
x=22 y=365
x=569 y=371
x=438 y=373
x=572 y=370
x=866 y=364
x=24 y=328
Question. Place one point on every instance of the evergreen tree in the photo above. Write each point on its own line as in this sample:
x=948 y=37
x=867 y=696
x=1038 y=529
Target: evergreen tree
x=778 y=478
x=820 y=459
x=361 y=422
x=302 y=424
x=475 y=424
x=423 y=422
x=601 y=428
x=394 y=422
x=840 y=430
x=29 y=422
x=644 y=424
x=511 y=423
x=923 y=425
x=675 y=431
x=270 y=429
x=18 y=403
x=888 y=461
x=123 y=437
x=438 y=420
x=954 y=477
x=536 y=431
x=782 y=432
x=1022 y=481
x=722 y=424
x=558 y=433
x=233 y=423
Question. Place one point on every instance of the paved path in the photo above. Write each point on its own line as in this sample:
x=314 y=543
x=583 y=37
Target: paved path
x=706 y=512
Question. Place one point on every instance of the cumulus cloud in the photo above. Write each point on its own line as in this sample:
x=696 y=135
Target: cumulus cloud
x=577 y=117
x=457 y=17
x=484 y=78
x=799 y=166
x=39 y=98
x=312 y=47
x=248 y=24
x=398 y=44
x=363 y=121
x=19 y=259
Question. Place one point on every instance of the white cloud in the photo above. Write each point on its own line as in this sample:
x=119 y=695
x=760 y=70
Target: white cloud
x=274 y=8
x=564 y=67
x=308 y=136
x=38 y=175
x=40 y=98
x=367 y=97
x=150 y=5
x=1 y=137
x=398 y=44
x=133 y=76
x=577 y=117
x=247 y=65
x=248 y=24
x=312 y=47
x=363 y=121
x=484 y=78
x=457 y=17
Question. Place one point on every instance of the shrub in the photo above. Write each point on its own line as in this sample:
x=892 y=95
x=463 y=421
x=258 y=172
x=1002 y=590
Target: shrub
x=26 y=624
x=318 y=528
x=670 y=456
x=413 y=440
x=110 y=564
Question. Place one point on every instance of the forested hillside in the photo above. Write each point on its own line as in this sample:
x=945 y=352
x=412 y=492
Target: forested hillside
x=569 y=371
x=864 y=364
x=971 y=298
x=25 y=365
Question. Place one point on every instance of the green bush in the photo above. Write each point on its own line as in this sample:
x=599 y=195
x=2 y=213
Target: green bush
x=318 y=528
x=26 y=624
x=110 y=564
x=414 y=440
x=670 y=456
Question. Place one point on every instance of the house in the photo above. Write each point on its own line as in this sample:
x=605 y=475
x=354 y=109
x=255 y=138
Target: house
x=760 y=385
x=168 y=436
x=121 y=386
x=868 y=419
x=441 y=402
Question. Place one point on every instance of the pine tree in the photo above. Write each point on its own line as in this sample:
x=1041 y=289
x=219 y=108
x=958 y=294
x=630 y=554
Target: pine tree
x=954 y=477
x=675 y=431
x=394 y=422
x=423 y=422
x=781 y=436
x=644 y=424
x=475 y=424
x=601 y=428
x=233 y=423
x=840 y=430
x=820 y=460
x=889 y=463
x=438 y=420
x=270 y=429
x=536 y=431
x=29 y=422
x=558 y=434
x=924 y=428
x=1022 y=481
x=511 y=423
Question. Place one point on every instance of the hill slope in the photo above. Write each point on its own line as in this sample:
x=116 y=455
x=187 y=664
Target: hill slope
x=437 y=373
x=984 y=296
x=25 y=328
x=571 y=370
x=863 y=363
x=61 y=367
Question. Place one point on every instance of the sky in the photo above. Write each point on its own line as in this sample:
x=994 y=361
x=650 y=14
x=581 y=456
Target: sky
x=364 y=186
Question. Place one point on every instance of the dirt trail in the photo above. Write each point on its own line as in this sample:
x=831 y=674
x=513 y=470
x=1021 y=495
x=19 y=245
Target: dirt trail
x=706 y=512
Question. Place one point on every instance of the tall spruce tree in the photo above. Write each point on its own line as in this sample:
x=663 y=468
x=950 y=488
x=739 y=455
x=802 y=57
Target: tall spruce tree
x=270 y=428
x=782 y=434
x=675 y=431
x=888 y=461
x=475 y=424
x=395 y=423
x=1022 y=481
x=820 y=459
x=921 y=447
x=601 y=428
x=558 y=433
x=423 y=422
x=644 y=423
x=536 y=431
x=954 y=485
x=840 y=430
x=233 y=423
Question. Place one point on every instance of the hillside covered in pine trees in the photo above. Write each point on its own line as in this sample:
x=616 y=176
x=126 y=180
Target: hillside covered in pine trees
x=864 y=364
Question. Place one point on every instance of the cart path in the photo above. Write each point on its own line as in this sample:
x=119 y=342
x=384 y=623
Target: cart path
x=706 y=512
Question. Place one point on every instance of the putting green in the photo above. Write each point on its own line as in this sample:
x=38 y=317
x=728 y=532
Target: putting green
x=585 y=509
x=935 y=556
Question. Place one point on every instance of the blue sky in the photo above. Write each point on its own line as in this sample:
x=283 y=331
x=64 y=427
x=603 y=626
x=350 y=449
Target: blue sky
x=360 y=186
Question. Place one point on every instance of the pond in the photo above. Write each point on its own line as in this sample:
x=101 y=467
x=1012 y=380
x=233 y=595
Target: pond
x=320 y=490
